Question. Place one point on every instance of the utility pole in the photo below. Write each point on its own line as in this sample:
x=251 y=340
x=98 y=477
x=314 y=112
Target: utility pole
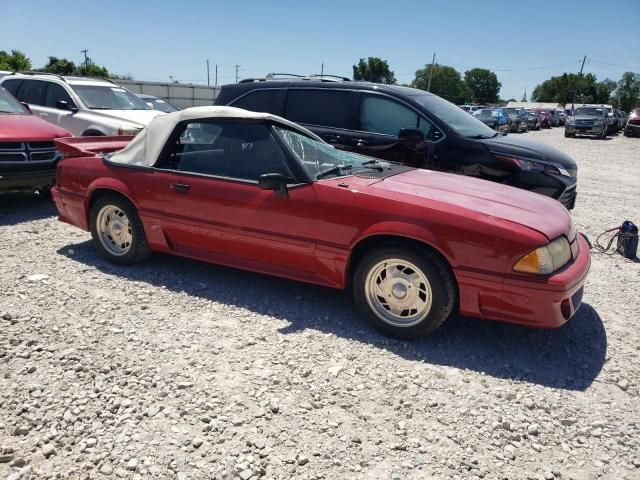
x=575 y=91
x=216 y=84
x=86 y=60
x=237 y=67
x=208 y=83
x=433 y=63
x=322 y=69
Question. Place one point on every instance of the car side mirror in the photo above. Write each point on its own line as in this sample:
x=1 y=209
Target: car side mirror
x=276 y=182
x=411 y=137
x=64 y=105
x=26 y=105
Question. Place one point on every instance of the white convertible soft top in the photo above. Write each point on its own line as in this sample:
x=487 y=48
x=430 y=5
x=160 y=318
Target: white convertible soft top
x=145 y=148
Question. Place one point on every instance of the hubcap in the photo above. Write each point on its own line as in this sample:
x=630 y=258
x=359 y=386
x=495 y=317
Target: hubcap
x=398 y=292
x=114 y=230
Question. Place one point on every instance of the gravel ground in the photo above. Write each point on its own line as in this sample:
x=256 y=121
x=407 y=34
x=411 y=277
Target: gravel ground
x=178 y=369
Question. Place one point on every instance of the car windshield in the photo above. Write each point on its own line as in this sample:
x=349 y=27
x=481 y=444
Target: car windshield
x=8 y=104
x=486 y=114
x=458 y=120
x=598 y=112
x=511 y=111
x=161 y=105
x=104 y=97
x=321 y=160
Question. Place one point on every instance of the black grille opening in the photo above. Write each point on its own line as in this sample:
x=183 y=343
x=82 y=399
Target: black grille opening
x=12 y=157
x=38 y=145
x=40 y=156
x=11 y=146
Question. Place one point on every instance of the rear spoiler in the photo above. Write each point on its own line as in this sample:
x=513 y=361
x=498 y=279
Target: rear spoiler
x=71 y=147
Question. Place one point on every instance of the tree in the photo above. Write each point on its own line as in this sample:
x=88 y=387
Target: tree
x=445 y=82
x=15 y=61
x=484 y=84
x=627 y=93
x=374 y=70
x=60 y=66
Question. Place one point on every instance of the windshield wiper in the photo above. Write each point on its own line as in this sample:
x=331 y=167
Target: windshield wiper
x=334 y=169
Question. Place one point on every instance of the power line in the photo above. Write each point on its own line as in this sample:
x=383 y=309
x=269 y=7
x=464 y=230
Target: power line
x=591 y=60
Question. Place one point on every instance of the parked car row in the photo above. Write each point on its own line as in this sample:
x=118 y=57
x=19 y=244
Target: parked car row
x=595 y=120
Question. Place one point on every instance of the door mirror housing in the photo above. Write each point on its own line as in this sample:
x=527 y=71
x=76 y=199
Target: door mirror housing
x=411 y=137
x=64 y=105
x=274 y=181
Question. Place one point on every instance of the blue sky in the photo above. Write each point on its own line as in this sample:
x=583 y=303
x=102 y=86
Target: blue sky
x=523 y=42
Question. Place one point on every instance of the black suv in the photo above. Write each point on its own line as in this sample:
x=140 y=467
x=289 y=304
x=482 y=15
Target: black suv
x=410 y=126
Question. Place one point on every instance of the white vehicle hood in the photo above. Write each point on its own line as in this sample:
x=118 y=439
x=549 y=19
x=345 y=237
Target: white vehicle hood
x=145 y=148
x=137 y=117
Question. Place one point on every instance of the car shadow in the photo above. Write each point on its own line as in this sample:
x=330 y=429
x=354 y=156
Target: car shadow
x=569 y=357
x=24 y=207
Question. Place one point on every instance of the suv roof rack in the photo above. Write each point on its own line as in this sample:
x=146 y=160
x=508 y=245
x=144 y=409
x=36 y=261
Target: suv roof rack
x=289 y=76
x=35 y=72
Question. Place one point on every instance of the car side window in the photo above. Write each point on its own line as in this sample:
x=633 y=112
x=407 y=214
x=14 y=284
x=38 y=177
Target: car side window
x=260 y=101
x=56 y=93
x=237 y=150
x=324 y=108
x=382 y=115
x=33 y=92
x=13 y=85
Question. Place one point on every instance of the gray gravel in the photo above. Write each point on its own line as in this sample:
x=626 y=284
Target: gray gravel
x=182 y=370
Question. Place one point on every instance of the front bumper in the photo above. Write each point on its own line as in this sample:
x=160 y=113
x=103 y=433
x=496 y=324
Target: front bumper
x=19 y=181
x=633 y=129
x=577 y=130
x=547 y=302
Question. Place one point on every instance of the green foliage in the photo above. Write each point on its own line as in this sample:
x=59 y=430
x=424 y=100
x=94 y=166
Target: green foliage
x=59 y=66
x=565 y=87
x=627 y=93
x=484 y=84
x=374 y=70
x=445 y=82
x=92 y=70
x=14 y=61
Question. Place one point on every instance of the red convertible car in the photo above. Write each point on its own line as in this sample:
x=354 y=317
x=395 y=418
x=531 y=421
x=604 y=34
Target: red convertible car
x=257 y=192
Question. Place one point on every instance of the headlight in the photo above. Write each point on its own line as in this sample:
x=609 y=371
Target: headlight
x=547 y=259
x=599 y=122
x=128 y=130
x=571 y=122
x=531 y=165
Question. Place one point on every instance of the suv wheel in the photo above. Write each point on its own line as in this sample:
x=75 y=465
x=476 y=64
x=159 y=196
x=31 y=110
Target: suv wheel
x=404 y=292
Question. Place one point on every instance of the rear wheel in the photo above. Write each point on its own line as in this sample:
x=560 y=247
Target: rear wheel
x=117 y=232
x=404 y=292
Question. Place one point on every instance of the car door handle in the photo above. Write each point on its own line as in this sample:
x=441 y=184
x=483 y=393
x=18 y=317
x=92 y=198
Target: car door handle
x=333 y=138
x=179 y=187
x=42 y=114
x=361 y=143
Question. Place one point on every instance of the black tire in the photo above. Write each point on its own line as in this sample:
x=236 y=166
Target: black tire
x=603 y=136
x=93 y=133
x=438 y=275
x=567 y=134
x=138 y=249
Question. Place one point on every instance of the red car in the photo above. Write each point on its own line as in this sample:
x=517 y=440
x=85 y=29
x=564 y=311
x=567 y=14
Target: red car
x=545 y=118
x=257 y=192
x=28 y=155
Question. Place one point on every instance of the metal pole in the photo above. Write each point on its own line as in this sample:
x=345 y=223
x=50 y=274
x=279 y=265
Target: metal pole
x=322 y=69
x=208 y=84
x=216 y=84
x=237 y=67
x=575 y=91
x=433 y=62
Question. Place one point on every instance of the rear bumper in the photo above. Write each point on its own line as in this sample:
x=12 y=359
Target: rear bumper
x=71 y=208
x=543 y=303
x=27 y=180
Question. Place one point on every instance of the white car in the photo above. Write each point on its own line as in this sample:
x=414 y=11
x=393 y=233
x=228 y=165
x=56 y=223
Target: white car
x=83 y=106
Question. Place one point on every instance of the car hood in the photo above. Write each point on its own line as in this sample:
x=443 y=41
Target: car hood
x=138 y=117
x=518 y=146
x=544 y=214
x=20 y=128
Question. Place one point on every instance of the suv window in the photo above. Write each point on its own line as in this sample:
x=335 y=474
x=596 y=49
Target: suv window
x=57 y=93
x=385 y=116
x=325 y=108
x=260 y=101
x=13 y=85
x=236 y=150
x=33 y=92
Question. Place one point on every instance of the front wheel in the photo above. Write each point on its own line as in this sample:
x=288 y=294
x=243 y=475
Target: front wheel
x=404 y=292
x=117 y=231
